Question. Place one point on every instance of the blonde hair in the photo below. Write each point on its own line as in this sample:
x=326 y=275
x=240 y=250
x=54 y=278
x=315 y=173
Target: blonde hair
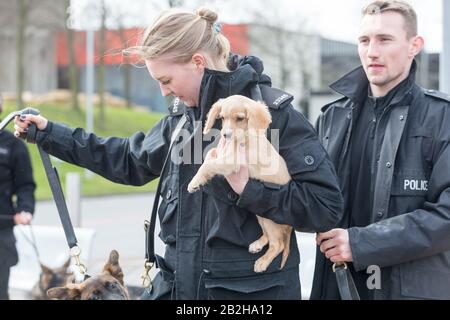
x=401 y=7
x=179 y=35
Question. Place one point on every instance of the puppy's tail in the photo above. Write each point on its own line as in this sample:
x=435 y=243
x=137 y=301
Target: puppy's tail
x=287 y=246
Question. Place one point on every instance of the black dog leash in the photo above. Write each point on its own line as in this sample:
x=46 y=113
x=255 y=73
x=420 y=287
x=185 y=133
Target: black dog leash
x=55 y=186
x=346 y=285
x=149 y=226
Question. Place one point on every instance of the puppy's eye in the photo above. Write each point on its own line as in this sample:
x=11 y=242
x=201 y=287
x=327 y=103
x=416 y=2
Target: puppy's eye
x=240 y=119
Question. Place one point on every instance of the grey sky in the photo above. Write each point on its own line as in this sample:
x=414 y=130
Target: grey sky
x=332 y=20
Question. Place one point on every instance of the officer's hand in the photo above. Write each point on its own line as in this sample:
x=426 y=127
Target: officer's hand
x=239 y=180
x=23 y=217
x=336 y=245
x=22 y=123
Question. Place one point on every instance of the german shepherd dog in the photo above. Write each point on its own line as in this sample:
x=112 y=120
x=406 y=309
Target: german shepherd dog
x=108 y=285
x=244 y=123
x=50 y=278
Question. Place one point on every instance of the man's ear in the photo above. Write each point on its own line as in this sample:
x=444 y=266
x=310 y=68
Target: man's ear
x=199 y=61
x=416 y=46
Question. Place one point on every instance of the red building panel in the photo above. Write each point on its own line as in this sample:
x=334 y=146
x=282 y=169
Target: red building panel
x=116 y=42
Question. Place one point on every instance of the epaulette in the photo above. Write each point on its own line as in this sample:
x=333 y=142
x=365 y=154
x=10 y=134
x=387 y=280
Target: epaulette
x=325 y=107
x=437 y=94
x=275 y=98
x=177 y=107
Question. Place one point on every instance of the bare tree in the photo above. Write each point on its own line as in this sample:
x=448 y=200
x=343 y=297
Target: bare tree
x=126 y=66
x=30 y=20
x=280 y=38
x=101 y=63
x=175 y=3
x=73 y=69
x=21 y=20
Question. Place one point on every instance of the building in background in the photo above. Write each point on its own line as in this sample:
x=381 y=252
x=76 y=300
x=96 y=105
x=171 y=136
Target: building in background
x=41 y=21
x=302 y=64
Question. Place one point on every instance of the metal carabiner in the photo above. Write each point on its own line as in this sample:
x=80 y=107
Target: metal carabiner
x=146 y=280
x=75 y=252
x=339 y=265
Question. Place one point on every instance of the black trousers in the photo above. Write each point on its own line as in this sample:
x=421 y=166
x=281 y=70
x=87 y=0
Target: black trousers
x=8 y=258
x=4 y=280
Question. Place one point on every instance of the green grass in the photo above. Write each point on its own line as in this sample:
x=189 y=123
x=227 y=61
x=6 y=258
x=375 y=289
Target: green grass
x=119 y=123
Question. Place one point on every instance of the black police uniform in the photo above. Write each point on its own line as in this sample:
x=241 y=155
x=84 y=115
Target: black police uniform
x=16 y=179
x=207 y=233
x=406 y=232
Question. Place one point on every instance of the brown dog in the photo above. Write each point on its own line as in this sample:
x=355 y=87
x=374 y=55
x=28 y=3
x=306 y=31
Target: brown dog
x=50 y=278
x=108 y=285
x=244 y=123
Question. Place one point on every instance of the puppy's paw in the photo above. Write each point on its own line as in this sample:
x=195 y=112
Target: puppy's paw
x=255 y=247
x=261 y=265
x=193 y=187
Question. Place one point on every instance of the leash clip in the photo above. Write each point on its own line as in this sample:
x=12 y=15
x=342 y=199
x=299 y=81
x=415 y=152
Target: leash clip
x=146 y=280
x=75 y=252
x=341 y=264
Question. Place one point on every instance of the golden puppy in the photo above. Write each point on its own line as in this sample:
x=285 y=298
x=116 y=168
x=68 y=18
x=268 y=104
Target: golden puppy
x=244 y=123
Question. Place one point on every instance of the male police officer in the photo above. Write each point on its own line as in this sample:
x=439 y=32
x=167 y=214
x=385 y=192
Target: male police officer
x=16 y=180
x=389 y=141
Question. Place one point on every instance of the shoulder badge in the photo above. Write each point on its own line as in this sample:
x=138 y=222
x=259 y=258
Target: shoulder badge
x=275 y=98
x=177 y=107
x=438 y=94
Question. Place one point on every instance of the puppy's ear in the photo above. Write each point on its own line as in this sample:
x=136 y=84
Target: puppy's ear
x=113 y=268
x=258 y=115
x=64 y=293
x=212 y=116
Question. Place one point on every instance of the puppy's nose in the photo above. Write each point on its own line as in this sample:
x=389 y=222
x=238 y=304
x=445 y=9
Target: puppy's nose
x=227 y=134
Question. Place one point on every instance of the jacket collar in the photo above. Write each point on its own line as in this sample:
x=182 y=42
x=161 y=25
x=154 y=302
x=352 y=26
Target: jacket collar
x=355 y=84
x=244 y=73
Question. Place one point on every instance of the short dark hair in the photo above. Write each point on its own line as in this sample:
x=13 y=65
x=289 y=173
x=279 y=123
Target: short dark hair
x=401 y=7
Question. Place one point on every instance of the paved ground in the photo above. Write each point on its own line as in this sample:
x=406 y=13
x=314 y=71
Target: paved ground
x=118 y=222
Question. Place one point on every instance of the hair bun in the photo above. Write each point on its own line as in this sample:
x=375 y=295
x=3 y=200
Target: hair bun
x=207 y=14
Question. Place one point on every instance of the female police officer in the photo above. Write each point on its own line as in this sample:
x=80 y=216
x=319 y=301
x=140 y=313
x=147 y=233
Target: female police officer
x=207 y=233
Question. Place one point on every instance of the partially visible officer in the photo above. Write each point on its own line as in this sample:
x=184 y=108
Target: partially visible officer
x=389 y=141
x=16 y=199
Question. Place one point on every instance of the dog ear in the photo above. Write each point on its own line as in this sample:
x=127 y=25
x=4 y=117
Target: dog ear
x=64 y=293
x=212 y=116
x=113 y=268
x=66 y=264
x=258 y=115
x=46 y=269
